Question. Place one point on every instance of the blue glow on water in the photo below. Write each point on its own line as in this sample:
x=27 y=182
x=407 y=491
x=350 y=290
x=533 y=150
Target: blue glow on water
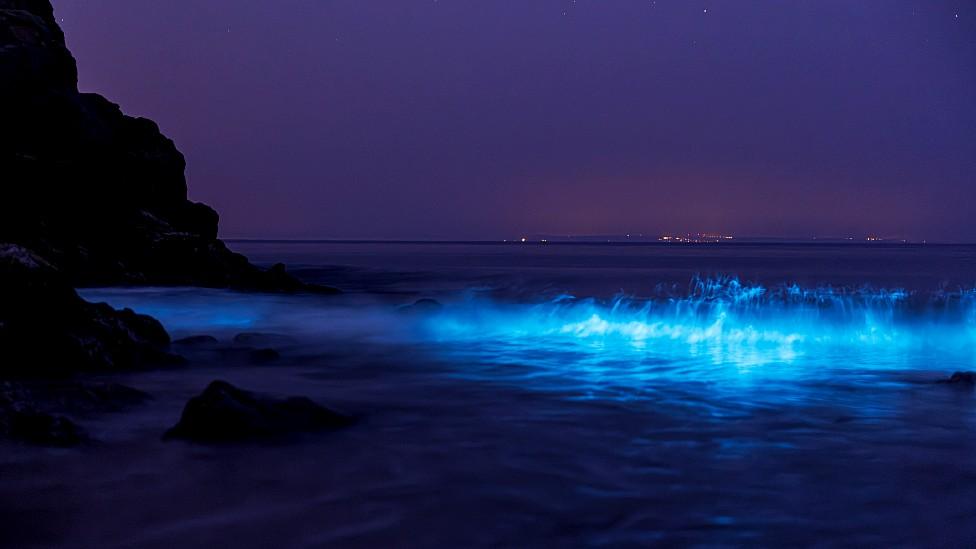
x=716 y=330
x=719 y=330
x=725 y=313
x=188 y=310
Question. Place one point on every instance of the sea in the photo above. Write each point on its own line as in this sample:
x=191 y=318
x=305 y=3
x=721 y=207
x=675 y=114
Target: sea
x=549 y=395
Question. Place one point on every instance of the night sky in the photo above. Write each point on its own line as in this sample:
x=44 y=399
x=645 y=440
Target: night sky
x=496 y=118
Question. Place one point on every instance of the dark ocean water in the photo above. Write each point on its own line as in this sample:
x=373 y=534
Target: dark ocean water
x=562 y=395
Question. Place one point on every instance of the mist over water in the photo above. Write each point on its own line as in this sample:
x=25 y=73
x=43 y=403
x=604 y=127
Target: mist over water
x=568 y=395
x=716 y=324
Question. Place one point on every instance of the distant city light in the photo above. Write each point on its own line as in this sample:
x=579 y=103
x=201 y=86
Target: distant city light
x=696 y=238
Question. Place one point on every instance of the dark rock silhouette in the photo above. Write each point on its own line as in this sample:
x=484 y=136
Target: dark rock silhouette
x=71 y=397
x=90 y=196
x=22 y=421
x=224 y=413
x=43 y=429
x=99 y=195
x=46 y=328
x=197 y=341
x=30 y=412
x=961 y=379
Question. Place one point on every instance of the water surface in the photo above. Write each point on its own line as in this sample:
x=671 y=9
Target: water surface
x=561 y=395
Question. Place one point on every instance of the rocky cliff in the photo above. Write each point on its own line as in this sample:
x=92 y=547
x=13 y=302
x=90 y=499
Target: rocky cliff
x=90 y=196
x=99 y=195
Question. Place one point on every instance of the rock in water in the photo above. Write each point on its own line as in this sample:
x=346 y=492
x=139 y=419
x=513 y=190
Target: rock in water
x=33 y=427
x=197 y=341
x=224 y=413
x=22 y=421
x=69 y=396
x=961 y=379
x=46 y=328
x=100 y=195
x=30 y=411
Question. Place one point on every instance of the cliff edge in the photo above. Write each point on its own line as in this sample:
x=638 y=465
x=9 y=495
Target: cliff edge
x=90 y=196
x=101 y=196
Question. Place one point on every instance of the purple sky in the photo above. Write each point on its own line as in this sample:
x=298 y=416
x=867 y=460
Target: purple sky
x=495 y=118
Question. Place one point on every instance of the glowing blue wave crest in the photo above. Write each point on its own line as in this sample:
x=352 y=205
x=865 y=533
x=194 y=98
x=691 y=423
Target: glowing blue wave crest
x=727 y=321
x=717 y=323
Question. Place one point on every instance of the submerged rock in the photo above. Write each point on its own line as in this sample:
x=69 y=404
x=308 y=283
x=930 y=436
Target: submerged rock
x=197 y=341
x=67 y=396
x=90 y=397
x=224 y=413
x=33 y=427
x=961 y=379
x=32 y=411
x=22 y=421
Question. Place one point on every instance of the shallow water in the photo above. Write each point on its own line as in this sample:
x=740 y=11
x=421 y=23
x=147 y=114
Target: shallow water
x=562 y=395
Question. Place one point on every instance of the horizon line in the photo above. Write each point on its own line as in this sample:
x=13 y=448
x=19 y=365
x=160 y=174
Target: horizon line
x=596 y=240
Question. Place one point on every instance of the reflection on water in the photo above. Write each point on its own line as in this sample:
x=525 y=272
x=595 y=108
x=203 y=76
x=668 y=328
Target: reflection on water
x=717 y=413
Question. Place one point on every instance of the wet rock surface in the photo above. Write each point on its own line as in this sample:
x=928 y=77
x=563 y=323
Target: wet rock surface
x=224 y=413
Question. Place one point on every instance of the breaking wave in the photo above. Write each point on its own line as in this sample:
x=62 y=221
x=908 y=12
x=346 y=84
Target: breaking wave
x=727 y=320
x=721 y=320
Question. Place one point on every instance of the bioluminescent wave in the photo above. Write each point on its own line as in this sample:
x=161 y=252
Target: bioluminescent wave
x=716 y=329
x=724 y=321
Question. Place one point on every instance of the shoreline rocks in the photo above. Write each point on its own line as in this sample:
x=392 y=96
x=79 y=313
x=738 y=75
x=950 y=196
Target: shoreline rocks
x=47 y=329
x=34 y=412
x=225 y=413
x=197 y=341
x=92 y=197
x=41 y=429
